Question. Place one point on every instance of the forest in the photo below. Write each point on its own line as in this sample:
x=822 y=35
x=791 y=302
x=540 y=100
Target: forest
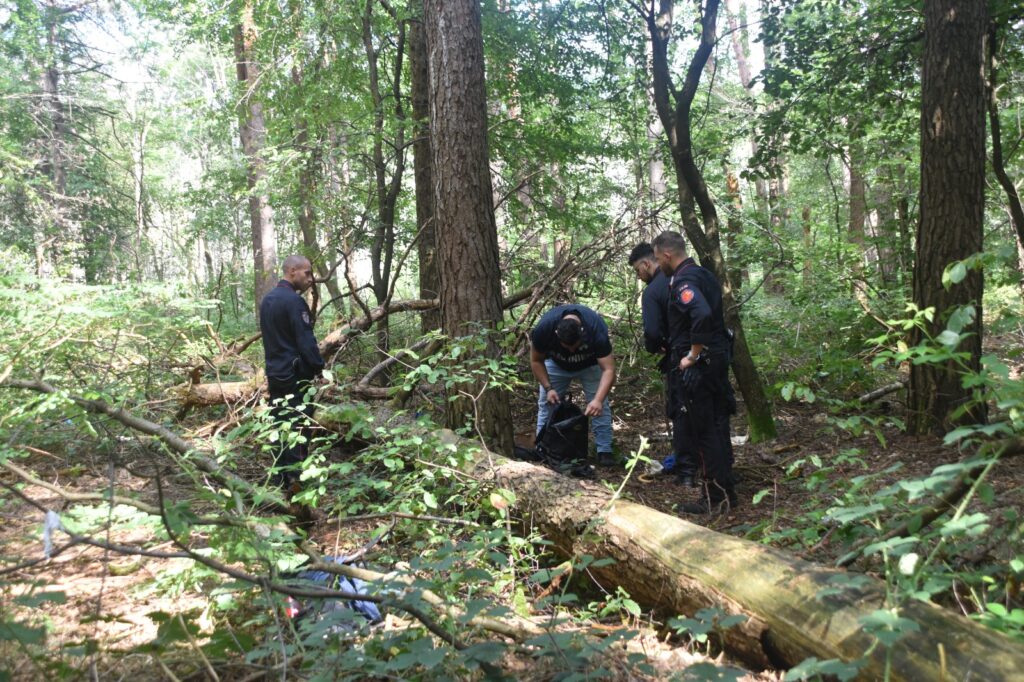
x=847 y=174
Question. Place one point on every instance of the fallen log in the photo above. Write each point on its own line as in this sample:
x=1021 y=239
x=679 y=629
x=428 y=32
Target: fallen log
x=676 y=567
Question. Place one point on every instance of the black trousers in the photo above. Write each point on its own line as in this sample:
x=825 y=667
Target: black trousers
x=687 y=461
x=288 y=406
x=701 y=422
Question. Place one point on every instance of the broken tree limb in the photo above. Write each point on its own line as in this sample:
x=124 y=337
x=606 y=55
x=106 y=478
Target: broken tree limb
x=872 y=396
x=172 y=440
x=677 y=567
x=334 y=340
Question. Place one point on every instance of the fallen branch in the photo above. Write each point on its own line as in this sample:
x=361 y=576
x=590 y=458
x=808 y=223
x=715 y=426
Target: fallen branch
x=172 y=440
x=872 y=396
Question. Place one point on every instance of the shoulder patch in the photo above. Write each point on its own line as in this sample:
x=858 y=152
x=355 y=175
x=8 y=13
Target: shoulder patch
x=686 y=295
x=305 y=317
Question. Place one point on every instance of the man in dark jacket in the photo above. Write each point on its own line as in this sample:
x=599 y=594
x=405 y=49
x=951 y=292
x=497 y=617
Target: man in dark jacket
x=699 y=348
x=654 y=310
x=292 y=359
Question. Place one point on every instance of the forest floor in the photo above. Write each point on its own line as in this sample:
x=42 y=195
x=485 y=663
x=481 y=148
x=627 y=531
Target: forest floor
x=108 y=596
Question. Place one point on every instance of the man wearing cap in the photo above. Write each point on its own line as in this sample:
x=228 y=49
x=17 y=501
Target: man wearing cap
x=699 y=347
x=572 y=342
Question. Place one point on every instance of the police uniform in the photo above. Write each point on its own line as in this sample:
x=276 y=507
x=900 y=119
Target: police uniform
x=701 y=397
x=292 y=361
x=654 y=312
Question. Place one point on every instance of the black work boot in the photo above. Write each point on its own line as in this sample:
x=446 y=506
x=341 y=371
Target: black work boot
x=605 y=459
x=687 y=479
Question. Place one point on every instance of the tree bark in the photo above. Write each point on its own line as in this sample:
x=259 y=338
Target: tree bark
x=952 y=200
x=674 y=110
x=467 y=243
x=253 y=133
x=430 y=283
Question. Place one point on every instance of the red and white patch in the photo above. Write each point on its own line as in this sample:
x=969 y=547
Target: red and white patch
x=686 y=295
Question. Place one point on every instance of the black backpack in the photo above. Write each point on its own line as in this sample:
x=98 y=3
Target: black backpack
x=565 y=436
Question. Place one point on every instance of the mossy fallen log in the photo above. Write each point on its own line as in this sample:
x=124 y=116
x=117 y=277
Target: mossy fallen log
x=795 y=609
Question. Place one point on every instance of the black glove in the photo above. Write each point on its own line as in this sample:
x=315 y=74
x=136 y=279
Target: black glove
x=691 y=378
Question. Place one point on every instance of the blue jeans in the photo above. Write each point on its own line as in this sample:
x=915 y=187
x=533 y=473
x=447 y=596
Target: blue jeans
x=601 y=426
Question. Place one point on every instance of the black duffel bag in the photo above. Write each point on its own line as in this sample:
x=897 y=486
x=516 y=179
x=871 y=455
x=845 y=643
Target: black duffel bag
x=565 y=436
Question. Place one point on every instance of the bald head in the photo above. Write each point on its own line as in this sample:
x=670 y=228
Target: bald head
x=298 y=271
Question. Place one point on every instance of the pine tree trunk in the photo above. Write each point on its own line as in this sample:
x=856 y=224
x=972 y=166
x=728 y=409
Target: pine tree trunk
x=952 y=198
x=467 y=238
x=430 y=283
x=253 y=133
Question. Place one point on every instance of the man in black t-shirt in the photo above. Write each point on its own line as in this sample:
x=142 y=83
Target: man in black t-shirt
x=571 y=342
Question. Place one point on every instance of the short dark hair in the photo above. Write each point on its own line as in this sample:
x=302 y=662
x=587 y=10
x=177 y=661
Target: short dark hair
x=672 y=242
x=642 y=251
x=569 y=330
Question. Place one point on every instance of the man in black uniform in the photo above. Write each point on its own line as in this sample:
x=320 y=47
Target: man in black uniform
x=292 y=358
x=699 y=348
x=654 y=310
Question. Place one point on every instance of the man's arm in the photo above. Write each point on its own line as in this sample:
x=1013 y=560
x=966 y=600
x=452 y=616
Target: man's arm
x=537 y=359
x=652 y=311
x=607 y=365
x=302 y=326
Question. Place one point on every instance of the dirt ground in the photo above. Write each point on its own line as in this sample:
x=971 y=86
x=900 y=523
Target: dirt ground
x=108 y=596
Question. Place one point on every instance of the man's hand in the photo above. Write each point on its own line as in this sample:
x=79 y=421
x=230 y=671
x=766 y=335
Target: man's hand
x=553 y=398
x=594 y=408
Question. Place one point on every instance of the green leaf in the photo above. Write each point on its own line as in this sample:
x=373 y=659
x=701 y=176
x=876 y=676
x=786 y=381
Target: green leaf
x=429 y=499
x=957 y=273
x=948 y=338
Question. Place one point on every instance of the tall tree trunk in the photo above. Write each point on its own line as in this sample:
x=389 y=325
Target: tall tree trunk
x=808 y=271
x=253 y=132
x=738 y=275
x=998 y=165
x=952 y=198
x=422 y=161
x=858 y=216
x=382 y=249
x=467 y=243
x=308 y=181
x=674 y=111
x=54 y=166
x=138 y=152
